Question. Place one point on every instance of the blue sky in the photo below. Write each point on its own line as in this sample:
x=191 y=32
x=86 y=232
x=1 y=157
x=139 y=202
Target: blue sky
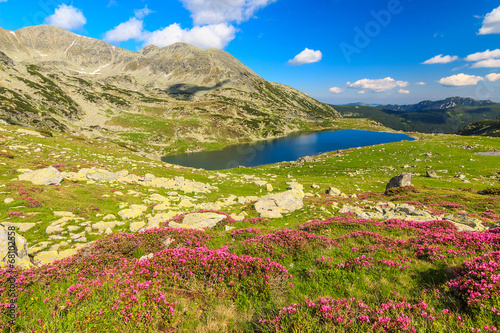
x=337 y=51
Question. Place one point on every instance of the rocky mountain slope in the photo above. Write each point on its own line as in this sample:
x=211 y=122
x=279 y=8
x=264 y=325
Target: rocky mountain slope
x=167 y=99
x=437 y=105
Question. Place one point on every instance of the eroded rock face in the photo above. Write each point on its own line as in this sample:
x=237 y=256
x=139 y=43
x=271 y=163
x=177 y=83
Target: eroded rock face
x=20 y=253
x=400 y=180
x=273 y=205
x=47 y=176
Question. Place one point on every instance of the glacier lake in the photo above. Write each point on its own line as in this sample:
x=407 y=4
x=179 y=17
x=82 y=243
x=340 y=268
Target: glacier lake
x=289 y=148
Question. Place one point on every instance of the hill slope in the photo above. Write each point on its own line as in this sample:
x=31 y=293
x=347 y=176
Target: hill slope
x=487 y=127
x=158 y=99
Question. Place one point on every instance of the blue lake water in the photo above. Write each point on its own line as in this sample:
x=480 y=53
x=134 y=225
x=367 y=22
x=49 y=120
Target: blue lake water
x=289 y=148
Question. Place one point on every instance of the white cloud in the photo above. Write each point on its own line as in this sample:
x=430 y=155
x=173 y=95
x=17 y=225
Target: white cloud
x=403 y=91
x=223 y=11
x=491 y=23
x=420 y=83
x=493 y=77
x=208 y=36
x=67 y=17
x=3 y=0
x=378 y=85
x=142 y=13
x=336 y=90
x=361 y=92
x=307 y=56
x=440 y=59
x=132 y=29
x=487 y=63
x=483 y=55
x=460 y=80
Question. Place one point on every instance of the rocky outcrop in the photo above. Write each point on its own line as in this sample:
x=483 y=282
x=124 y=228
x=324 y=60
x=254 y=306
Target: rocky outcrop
x=47 y=176
x=273 y=205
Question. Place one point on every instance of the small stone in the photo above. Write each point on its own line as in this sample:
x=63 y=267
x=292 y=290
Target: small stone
x=8 y=200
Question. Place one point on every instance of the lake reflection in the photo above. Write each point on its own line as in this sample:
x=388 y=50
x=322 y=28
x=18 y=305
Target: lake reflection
x=289 y=148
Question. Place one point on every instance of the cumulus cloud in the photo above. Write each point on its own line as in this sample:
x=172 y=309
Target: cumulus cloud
x=491 y=23
x=440 y=59
x=307 y=56
x=336 y=90
x=403 y=91
x=132 y=29
x=460 y=80
x=493 y=77
x=487 y=63
x=361 y=92
x=420 y=83
x=223 y=11
x=142 y=13
x=208 y=36
x=378 y=85
x=67 y=17
x=483 y=55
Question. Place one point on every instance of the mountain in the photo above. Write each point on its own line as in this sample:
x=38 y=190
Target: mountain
x=448 y=120
x=437 y=105
x=171 y=99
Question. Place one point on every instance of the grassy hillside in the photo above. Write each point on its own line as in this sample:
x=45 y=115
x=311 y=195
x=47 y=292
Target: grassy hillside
x=427 y=121
x=321 y=268
x=488 y=127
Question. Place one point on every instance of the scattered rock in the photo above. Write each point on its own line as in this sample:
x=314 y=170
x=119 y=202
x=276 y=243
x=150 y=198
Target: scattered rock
x=47 y=176
x=269 y=187
x=8 y=200
x=305 y=159
x=336 y=192
x=273 y=205
x=400 y=180
x=202 y=220
x=134 y=211
x=294 y=186
x=136 y=226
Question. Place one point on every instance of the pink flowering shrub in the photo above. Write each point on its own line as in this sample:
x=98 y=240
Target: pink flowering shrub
x=477 y=281
x=246 y=233
x=284 y=242
x=327 y=314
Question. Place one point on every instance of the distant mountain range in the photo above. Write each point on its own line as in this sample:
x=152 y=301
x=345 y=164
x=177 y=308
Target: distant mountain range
x=447 y=103
x=444 y=116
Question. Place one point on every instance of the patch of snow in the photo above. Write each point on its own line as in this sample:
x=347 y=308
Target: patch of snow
x=70 y=46
x=97 y=70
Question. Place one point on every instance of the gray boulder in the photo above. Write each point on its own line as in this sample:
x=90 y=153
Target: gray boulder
x=431 y=174
x=400 y=180
x=47 y=176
